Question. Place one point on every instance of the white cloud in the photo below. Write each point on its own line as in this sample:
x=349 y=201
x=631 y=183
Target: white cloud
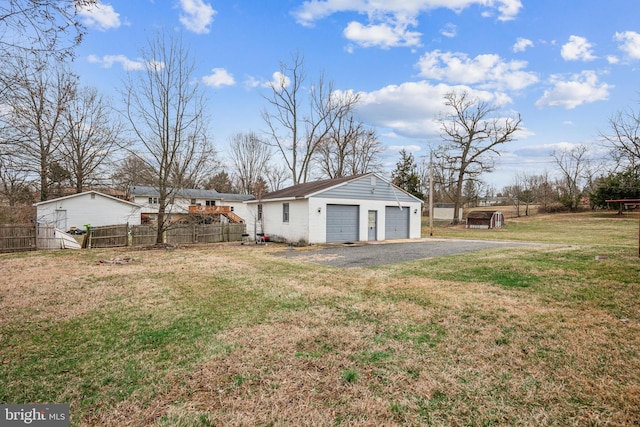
x=410 y=109
x=381 y=35
x=100 y=16
x=107 y=61
x=630 y=43
x=522 y=44
x=581 y=89
x=508 y=9
x=389 y=20
x=449 y=30
x=251 y=82
x=197 y=15
x=219 y=77
x=278 y=80
x=488 y=70
x=577 y=49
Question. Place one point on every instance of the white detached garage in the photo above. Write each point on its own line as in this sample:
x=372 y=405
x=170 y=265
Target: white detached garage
x=90 y=207
x=357 y=208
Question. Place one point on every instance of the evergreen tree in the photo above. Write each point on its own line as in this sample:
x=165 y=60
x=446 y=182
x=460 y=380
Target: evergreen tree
x=617 y=186
x=406 y=175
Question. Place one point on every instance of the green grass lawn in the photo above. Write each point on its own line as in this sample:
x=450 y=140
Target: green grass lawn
x=232 y=335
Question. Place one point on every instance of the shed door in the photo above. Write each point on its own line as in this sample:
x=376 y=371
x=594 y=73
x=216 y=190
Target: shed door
x=61 y=220
x=342 y=223
x=396 y=223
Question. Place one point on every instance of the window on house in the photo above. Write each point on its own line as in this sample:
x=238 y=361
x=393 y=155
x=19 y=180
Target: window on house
x=193 y=201
x=285 y=212
x=210 y=202
x=153 y=200
x=259 y=212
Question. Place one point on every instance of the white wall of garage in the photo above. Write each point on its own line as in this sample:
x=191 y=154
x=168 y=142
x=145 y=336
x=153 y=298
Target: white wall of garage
x=308 y=211
x=318 y=220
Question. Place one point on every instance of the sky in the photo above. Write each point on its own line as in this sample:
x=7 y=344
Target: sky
x=564 y=66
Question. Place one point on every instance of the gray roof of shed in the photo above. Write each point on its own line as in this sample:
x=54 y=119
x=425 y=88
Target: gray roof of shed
x=481 y=214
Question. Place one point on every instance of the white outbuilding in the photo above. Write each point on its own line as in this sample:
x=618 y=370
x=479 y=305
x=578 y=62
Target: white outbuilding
x=90 y=207
x=363 y=207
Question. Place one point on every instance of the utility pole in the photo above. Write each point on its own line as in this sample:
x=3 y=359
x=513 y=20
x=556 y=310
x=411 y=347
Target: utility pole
x=430 y=193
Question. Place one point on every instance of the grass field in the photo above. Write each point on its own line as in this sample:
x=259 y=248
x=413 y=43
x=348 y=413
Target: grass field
x=232 y=335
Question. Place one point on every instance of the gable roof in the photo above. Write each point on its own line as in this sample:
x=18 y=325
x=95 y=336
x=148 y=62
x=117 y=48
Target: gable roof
x=309 y=188
x=72 y=196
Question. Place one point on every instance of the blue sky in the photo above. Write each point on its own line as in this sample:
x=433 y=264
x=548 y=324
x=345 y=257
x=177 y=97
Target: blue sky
x=564 y=66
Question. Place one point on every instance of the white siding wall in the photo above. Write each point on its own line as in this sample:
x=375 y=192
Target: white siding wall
x=84 y=209
x=318 y=221
x=306 y=223
x=298 y=226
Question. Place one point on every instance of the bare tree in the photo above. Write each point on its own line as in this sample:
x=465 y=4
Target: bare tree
x=34 y=123
x=91 y=137
x=250 y=157
x=297 y=131
x=522 y=191
x=165 y=107
x=574 y=169
x=624 y=139
x=471 y=137
x=14 y=183
x=276 y=177
x=130 y=171
x=45 y=27
x=348 y=149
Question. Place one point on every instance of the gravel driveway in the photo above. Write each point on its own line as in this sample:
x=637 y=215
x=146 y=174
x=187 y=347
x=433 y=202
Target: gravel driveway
x=363 y=255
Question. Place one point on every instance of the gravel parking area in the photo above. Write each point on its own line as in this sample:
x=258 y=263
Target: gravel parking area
x=370 y=254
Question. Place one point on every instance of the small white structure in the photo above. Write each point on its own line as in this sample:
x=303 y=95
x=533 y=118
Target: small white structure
x=356 y=208
x=445 y=211
x=147 y=197
x=90 y=207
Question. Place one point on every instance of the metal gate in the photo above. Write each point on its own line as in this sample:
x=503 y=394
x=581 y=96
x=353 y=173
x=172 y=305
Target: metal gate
x=343 y=223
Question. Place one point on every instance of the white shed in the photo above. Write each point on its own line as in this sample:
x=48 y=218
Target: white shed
x=356 y=208
x=90 y=207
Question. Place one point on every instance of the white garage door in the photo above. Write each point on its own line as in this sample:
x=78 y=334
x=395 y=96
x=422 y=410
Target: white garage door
x=396 y=223
x=342 y=223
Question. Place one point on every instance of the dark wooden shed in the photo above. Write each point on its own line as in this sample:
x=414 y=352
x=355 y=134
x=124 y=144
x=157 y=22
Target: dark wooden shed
x=485 y=219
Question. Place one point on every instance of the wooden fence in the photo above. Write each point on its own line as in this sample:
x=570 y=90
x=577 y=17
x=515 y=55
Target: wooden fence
x=143 y=235
x=29 y=237
x=46 y=237
x=204 y=233
x=107 y=236
x=17 y=238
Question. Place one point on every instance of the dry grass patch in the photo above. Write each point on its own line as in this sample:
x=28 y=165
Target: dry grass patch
x=231 y=335
x=475 y=355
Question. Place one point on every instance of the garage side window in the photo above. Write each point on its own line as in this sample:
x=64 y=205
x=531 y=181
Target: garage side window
x=285 y=212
